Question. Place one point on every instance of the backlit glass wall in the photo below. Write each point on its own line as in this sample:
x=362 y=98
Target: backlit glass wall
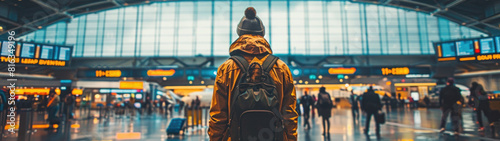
x=207 y=28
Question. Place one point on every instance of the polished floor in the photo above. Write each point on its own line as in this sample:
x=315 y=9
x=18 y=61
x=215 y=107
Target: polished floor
x=402 y=125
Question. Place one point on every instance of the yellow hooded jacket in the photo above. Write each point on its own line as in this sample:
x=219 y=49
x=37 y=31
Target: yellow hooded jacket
x=254 y=48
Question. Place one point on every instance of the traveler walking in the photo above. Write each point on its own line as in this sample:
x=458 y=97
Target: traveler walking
x=371 y=105
x=353 y=99
x=479 y=97
x=325 y=105
x=450 y=100
x=306 y=101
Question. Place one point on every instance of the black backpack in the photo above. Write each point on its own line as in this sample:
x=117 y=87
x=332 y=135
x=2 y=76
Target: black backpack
x=325 y=101
x=255 y=104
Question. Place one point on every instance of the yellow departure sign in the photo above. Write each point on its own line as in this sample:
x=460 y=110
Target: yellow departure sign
x=395 y=71
x=108 y=73
x=161 y=72
x=351 y=70
x=131 y=85
x=488 y=57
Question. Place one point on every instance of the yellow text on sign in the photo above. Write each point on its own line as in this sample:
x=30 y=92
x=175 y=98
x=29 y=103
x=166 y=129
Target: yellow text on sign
x=395 y=71
x=131 y=85
x=488 y=57
x=341 y=70
x=161 y=72
x=108 y=73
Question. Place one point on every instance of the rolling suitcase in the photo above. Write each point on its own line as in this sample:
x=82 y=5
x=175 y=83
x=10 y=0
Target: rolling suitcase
x=175 y=126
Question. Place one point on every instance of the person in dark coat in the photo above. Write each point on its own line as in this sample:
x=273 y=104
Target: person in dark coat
x=353 y=99
x=386 y=100
x=480 y=99
x=371 y=105
x=427 y=102
x=325 y=105
x=306 y=101
x=450 y=100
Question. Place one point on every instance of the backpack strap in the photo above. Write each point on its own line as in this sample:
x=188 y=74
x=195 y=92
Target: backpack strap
x=268 y=64
x=242 y=62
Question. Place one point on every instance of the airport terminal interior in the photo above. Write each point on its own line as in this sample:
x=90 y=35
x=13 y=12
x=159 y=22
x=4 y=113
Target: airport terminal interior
x=148 y=70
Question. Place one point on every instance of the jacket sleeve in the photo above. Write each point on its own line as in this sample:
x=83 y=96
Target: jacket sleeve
x=219 y=107
x=289 y=104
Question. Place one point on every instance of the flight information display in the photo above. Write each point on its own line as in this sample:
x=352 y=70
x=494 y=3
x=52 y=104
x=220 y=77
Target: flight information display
x=47 y=52
x=465 y=48
x=448 y=49
x=29 y=53
x=28 y=50
x=5 y=48
x=498 y=44
x=64 y=53
x=475 y=49
x=487 y=45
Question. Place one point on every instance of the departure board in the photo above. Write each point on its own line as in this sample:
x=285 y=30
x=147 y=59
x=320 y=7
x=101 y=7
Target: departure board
x=487 y=45
x=448 y=49
x=5 y=48
x=47 y=52
x=498 y=44
x=30 y=53
x=28 y=50
x=64 y=53
x=465 y=48
x=474 y=49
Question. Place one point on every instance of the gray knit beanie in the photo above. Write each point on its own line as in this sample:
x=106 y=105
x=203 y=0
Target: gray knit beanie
x=250 y=24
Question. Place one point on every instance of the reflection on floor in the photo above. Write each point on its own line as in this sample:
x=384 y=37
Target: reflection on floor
x=402 y=124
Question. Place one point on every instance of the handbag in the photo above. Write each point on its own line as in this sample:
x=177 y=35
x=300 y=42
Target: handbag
x=380 y=117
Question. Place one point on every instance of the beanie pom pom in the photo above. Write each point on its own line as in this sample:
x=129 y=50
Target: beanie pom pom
x=250 y=13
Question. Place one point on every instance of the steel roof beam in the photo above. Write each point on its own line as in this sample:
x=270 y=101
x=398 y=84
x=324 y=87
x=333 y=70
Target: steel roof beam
x=456 y=2
x=420 y=3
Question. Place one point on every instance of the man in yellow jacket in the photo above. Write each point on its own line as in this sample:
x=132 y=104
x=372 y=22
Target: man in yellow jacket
x=254 y=48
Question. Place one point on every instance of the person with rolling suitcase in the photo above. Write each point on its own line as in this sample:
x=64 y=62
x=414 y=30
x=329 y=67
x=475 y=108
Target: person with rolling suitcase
x=254 y=95
x=371 y=105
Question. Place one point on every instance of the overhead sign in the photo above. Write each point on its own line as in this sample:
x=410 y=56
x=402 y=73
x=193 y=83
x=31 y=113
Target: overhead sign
x=161 y=72
x=341 y=70
x=395 y=71
x=131 y=84
x=384 y=71
x=127 y=72
x=35 y=54
x=476 y=49
x=108 y=73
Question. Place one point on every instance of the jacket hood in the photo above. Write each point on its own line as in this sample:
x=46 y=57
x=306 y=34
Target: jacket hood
x=250 y=44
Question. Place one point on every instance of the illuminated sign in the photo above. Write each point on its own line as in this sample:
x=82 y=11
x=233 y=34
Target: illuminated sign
x=488 y=57
x=161 y=72
x=119 y=91
x=395 y=71
x=35 y=91
x=131 y=85
x=35 y=54
x=477 y=49
x=77 y=92
x=351 y=70
x=108 y=73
